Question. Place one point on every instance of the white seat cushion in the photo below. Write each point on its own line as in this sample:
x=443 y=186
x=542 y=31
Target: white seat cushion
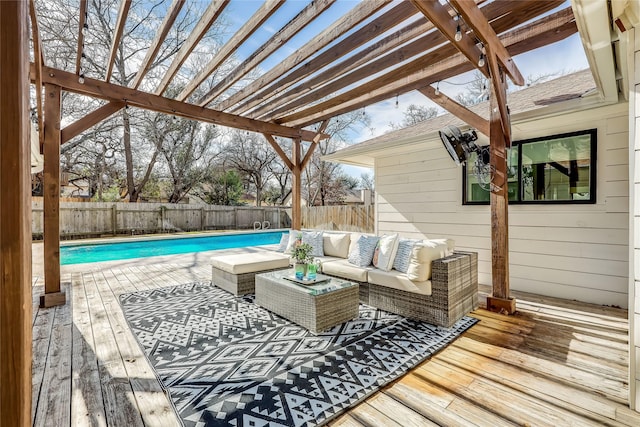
x=344 y=269
x=397 y=280
x=250 y=262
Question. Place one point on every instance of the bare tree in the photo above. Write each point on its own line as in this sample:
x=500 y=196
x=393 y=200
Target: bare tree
x=367 y=181
x=251 y=155
x=415 y=114
x=325 y=182
x=59 y=23
x=186 y=146
x=281 y=175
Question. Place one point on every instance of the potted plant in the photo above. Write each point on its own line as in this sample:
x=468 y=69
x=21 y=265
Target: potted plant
x=301 y=254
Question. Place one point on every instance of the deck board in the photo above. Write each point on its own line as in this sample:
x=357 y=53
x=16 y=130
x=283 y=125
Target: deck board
x=556 y=362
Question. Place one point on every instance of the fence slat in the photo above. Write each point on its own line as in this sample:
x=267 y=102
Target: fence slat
x=340 y=217
x=92 y=219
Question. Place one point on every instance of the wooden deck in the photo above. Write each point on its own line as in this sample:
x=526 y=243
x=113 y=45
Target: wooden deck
x=554 y=363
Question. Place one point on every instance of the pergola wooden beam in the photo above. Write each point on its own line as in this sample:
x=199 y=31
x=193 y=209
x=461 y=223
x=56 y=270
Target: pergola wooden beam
x=81 y=21
x=133 y=97
x=156 y=44
x=296 y=185
x=52 y=106
x=318 y=88
x=409 y=50
x=500 y=300
x=125 y=5
x=308 y=14
x=15 y=217
x=38 y=57
x=501 y=95
x=547 y=30
x=91 y=119
x=314 y=144
x=352 y=62
x=345 y=23
x=390 y=19
x=474 y=18
x=267 y=9
x=209 y=16
x=458 y=110
x=283 y=156
x=439 y=15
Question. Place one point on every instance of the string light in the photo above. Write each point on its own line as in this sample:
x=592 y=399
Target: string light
x=81 y=78
x=438 y=88
x=483 y=52
x=397 y=103
x=458 y=35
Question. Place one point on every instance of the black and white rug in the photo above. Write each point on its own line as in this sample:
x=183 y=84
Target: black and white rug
x=228 y=362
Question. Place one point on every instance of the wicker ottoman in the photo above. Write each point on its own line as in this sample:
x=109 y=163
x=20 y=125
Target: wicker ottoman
x=314 y=307
x=236 y=273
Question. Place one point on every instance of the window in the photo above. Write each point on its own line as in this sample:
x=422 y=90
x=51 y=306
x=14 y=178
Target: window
x=555 y=169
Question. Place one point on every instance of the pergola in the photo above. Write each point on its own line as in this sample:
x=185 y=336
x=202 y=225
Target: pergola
x=345 y=67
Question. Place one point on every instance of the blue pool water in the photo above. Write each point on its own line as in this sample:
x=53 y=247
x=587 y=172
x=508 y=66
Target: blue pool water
x=83 y=253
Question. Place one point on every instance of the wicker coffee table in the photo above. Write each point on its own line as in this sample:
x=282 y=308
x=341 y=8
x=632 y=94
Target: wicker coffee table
x=315 y=307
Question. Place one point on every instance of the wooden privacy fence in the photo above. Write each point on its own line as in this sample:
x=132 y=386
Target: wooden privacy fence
x=89 y=219
x=345 y=218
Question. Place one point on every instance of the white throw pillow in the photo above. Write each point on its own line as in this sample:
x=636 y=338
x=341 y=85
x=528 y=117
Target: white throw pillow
x=336 y=244
x=284 y=242
x=385 y=252
x=293 y=236
x=422 y=255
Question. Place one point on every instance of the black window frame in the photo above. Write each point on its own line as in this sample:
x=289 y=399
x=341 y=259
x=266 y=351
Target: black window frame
x=592 y=178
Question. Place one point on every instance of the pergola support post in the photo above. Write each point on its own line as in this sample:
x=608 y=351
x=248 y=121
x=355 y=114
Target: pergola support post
x=15 y=217
x=296 y=185
x=499 y=301
x=52 y=106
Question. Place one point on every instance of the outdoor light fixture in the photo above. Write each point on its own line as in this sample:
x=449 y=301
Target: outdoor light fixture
x=458 y=35
x=481 y=60
x=438 y=88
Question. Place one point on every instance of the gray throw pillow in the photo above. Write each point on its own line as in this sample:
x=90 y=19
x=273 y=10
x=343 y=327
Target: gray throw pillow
x=403 y=256
x=362 y=253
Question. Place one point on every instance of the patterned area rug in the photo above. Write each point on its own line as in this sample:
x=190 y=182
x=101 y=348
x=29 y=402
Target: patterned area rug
x=226 y=361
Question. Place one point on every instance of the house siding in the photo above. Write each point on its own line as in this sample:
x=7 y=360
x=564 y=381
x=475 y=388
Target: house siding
x=567 y=251
x=633 y=38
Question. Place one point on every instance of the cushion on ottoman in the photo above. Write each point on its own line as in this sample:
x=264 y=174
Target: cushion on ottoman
x=250 y=263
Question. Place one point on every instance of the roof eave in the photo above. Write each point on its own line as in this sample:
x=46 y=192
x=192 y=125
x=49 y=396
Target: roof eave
x=365 y=155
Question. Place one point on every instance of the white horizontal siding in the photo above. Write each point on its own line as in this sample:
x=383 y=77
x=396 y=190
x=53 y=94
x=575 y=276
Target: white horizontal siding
x=568 y=251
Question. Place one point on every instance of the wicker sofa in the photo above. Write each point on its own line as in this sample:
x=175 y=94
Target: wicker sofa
x=450 y=293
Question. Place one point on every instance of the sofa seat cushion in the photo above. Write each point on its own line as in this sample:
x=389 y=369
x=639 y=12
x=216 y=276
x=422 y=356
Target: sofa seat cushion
x=250 y=262
x=324 y=259
x=344 y=269
x=396 y=280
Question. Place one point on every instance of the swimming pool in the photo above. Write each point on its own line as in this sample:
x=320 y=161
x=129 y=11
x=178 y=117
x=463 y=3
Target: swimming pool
x=79 y=253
